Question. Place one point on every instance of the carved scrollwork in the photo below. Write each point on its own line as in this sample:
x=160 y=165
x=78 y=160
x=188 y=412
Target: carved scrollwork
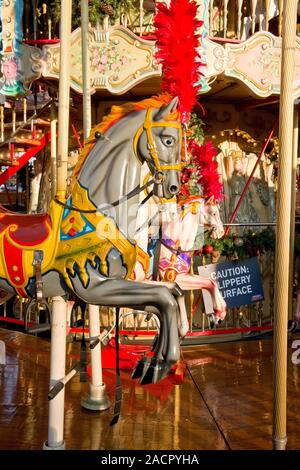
x=118 y=60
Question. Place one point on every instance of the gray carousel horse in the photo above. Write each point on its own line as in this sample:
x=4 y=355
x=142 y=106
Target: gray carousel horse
x=83 y=245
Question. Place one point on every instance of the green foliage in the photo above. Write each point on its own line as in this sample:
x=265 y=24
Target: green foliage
x=196 y=129
x=250 y=244
x=98 y=9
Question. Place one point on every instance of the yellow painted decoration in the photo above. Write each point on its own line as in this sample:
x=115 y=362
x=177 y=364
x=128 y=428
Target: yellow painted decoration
x=63 y=255
x=92 y=246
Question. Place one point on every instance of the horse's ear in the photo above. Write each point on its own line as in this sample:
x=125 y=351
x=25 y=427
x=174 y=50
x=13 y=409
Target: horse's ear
x=167 y=109
x=211 y=201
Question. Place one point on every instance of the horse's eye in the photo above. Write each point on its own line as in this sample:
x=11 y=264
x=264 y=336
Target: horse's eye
x=168 y=141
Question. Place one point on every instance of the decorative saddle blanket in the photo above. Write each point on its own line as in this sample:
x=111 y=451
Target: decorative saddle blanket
x=20 y=235
x=25 y=230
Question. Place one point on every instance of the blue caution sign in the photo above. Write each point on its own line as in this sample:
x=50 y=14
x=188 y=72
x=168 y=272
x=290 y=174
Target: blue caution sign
x=239 y=282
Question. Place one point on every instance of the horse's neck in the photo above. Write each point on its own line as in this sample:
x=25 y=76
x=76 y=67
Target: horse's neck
x=111 y=171
x=182 y=228
x=179 y=226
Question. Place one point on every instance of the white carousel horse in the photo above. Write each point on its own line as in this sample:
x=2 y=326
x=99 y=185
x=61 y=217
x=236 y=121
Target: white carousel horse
x=180 y=227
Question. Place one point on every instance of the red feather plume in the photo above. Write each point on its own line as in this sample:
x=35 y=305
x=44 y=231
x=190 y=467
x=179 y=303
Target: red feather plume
x=207 y=168
x=177 y=33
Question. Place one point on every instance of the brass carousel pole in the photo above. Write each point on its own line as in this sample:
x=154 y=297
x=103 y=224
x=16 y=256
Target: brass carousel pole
x=96 y=398
x=53 y=149
x=283 y=224
x=64 y=99
x=59 y=307
x=86 y=82
x=293 y=206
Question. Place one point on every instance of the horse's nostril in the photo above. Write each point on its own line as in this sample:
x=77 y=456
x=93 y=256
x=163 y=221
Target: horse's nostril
x=173 y=189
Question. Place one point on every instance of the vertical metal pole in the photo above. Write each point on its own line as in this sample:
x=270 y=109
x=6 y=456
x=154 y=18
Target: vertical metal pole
x=96 y=363
x=96 y=399
x=34 y=5
x=53 y=150
x=253 y=15
x=280 y=5
x=141 y=16
x=27 y=186
x=14 y=118
x=57 y=372
x=2 y=123
x=283 y=225
x=24 y=109
x=64 y=98
x=293 y=208
x=86 y=81
x=267 y=16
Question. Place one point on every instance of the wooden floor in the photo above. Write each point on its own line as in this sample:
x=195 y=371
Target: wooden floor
x=225 y=401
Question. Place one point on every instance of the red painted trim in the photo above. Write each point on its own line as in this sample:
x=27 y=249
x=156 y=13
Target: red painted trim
x=227 y=331
x=11 y=152
x=233 y=41
x=77 y=136
x=22 y=292
x=14 y=257
x=150 y=37
x=15 y=321
x=34 y=42
x=79 y=330
x=224 y=331
x=249 y=180
x=12 y=170
x=151 y=333
x=220 y=332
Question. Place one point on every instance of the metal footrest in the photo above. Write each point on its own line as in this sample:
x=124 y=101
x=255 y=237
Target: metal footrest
x=39 y=328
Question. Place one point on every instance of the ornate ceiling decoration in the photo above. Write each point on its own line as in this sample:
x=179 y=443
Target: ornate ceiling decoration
x=119 y=60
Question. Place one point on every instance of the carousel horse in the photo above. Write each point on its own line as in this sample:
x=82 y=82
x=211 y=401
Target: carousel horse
x=82 y=244
x=179 y=229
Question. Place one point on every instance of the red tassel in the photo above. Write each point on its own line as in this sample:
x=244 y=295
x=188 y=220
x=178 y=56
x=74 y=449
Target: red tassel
x=177 y=32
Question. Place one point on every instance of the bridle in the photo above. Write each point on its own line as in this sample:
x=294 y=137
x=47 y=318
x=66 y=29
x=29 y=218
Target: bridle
x=156 y=169
x=154 y=164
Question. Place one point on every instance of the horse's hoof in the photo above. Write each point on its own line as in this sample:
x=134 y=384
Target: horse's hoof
x=155 y=372
x=154 y=344
x=162 y=371
x=139 y=368
x=148 y=375
x=211 y=320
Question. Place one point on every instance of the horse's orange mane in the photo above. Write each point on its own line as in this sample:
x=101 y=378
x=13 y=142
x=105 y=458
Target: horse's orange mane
x=117 y=113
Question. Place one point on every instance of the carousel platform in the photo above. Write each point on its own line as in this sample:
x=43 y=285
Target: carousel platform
x=225 y=401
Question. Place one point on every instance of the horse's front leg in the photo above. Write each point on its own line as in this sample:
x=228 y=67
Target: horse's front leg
x=183 y=323
x=121 y=293
x=193 y=282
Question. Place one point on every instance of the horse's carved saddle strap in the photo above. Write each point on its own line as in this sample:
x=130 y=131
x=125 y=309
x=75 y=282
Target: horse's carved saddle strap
x=37 y=263
x=143 y=258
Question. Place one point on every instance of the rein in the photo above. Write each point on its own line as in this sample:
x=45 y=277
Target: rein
x=137 y=190
x=176 y=251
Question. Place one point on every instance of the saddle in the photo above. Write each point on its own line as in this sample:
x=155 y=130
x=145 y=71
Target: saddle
x=21 y=234
x=25 y=230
